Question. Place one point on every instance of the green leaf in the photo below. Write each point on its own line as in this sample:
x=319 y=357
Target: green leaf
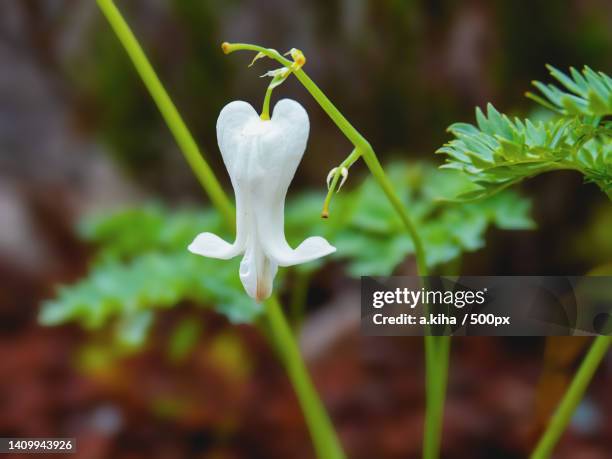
x=373 y=241
x=128 y=232
x=500 y=152
x=142 y=264
x=590 y=93
x=150 y=281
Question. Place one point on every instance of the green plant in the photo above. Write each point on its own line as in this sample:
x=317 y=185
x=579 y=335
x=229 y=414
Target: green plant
x=142 y=263
x=499 y=151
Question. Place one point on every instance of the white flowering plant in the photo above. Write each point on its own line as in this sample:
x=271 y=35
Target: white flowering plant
x=150 y=258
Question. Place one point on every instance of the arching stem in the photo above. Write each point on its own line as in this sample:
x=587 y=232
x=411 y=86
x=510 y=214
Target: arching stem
x=436 y=347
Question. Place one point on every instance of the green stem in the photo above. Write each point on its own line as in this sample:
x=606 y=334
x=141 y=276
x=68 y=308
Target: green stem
x=347 y=163
x=435 y=413
x=358 y=141
x=319 y=424
x=430 y=433
x=265 y=112
x=437 y=348
x=321 y=429
x=168 y=110
x=371 y=160
x=572 y=397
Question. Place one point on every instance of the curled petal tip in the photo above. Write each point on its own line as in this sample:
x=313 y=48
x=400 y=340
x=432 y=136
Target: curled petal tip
x=332 y=174
x=344 y=173
x=330 y=177
x=280 y=72
x=258 y=56
x=225 y=47
x=211 y=245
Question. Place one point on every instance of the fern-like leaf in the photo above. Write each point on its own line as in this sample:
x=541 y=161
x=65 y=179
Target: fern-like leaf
x=498 y=151
x=586 y=93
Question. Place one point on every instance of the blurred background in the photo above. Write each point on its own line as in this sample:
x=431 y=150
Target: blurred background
x=79 y=135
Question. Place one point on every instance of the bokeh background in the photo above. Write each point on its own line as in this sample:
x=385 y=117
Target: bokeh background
x=79 y=134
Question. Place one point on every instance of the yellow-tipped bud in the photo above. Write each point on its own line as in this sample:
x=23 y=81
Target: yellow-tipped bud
x=298 y=58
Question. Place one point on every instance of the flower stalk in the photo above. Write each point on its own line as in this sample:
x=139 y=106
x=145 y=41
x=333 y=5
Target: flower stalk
x=336 y=174
x=362 y=146
x=265 y=111
x=436 y=347
x=563 y=415
x=168 y=110
x=326 y=443
x=437 y=350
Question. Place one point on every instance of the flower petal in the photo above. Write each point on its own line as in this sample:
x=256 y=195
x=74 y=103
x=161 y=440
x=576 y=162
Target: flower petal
x=261 y=157
x=310 y=249
x=283 y=145
x=280 y=151
x=211 y=245
x=237 y=128
x=257 y=272
x=231 y=124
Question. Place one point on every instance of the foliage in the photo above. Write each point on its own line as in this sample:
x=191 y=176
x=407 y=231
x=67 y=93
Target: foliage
x=498 y=151
x=588 y=93
x=372 y=239
x=142 y=263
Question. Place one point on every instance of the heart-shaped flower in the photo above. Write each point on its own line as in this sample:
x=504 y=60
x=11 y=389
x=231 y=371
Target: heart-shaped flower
x=261 y=157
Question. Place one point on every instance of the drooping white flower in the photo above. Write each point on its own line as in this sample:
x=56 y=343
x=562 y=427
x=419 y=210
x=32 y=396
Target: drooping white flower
x=261 y=157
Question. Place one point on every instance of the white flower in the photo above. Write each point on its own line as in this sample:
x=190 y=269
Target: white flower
x=261 y=158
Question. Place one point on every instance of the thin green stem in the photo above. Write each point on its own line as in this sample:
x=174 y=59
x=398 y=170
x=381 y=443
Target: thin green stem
x=168 y=110
x=437 y=366
x=572 y=397
x=319 y=424
x=347 y=163
x=437 y=348
x=269 y=52
x=373 y=164
x=265 y=112
x=430 y=433
x=359 y=142
x=321 y=429
x=371 y=160
x=441 y=345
